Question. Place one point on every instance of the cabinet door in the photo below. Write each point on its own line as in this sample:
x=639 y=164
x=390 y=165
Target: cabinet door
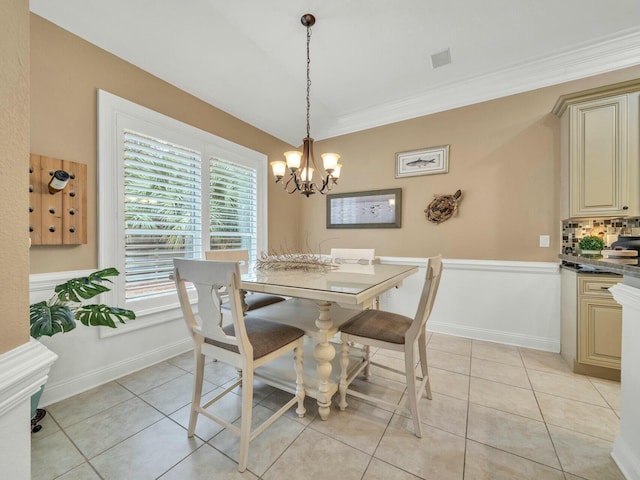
x=600 y=332
x=599 y=158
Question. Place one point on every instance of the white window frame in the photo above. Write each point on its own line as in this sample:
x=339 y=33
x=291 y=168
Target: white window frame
x=116 y=114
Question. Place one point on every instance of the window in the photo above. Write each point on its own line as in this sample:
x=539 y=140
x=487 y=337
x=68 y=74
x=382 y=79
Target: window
x=167 y=190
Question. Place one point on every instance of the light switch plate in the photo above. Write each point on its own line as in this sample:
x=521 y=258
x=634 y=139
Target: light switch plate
x=544 y=241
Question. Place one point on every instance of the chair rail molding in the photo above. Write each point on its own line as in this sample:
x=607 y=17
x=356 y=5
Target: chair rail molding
x=516 y=303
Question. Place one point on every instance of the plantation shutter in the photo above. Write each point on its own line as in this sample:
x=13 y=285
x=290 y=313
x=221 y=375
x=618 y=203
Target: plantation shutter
x=163 y=217
x=233 y=206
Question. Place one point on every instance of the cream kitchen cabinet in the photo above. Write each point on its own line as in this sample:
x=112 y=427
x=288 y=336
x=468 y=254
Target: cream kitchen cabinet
x=600 y=165
x=599 y=322
x=591 y=324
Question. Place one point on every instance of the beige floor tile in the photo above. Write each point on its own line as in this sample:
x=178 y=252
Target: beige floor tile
x=83 y=472
x=150 y=377
x=266 y=447
x=512 y=433
x=448 y=361
x=437 y=455
x=503 y=397
x=609 y=390
x=514 y=375
x=576 y=387
x=184 y=361
x=379 y=470
x=581 y=417
x=52 y=456
x=449 y=383
x=483 y=463
x=174 y=394
x=82 y=406
x=496 y=352
x=108 y=428
x=219 y=373
x=278 y=398
x=360 y=425
x=314 y=455
x=147 y=454
x=444 y=412
x=584 y=455
x=228 y=408
x=450 y=344
x=545 y=361
x=377 y=386
x=207 y=463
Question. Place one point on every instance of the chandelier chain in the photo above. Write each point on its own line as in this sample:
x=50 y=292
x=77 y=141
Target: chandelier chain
x=308 y=82
x=302 y=165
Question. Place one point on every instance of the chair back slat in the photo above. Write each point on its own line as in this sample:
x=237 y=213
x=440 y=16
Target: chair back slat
x=428 y=295
x=241 y=256
x=208 y=278
x=365 y=256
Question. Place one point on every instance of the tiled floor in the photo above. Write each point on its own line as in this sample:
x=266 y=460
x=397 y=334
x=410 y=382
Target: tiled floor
x=498 y=412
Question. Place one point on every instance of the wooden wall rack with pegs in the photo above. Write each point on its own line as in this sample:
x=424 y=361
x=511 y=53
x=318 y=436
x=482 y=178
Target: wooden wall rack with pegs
x=58 y=218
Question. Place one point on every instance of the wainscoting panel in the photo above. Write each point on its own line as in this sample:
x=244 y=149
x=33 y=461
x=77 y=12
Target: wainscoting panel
x=87 y=358
x=516 y=303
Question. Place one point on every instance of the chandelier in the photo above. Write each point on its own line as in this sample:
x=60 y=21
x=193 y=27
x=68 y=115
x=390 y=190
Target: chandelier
x=302 y=165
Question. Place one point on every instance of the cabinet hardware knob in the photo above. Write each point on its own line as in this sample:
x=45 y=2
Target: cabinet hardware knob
x=605 y=288
x=625 y=208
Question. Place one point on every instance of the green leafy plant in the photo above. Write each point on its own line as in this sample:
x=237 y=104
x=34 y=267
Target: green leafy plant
x=591 y=242
x=61 y=313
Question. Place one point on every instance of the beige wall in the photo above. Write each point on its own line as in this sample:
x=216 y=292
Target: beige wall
x=14 y=161
x=504 y=156
x=66 y=72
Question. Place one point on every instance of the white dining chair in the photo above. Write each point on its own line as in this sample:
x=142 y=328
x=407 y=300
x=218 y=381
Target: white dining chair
x=392 y=331
x=247 y=343
x=251 y=301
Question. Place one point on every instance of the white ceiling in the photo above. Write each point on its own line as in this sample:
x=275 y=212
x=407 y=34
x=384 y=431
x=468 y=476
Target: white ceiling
x=370 y=60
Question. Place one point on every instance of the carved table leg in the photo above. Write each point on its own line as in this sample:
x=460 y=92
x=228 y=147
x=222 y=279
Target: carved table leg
x=324 y=353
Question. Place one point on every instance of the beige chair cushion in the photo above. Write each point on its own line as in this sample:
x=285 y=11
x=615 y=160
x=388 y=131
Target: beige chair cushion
x=378 y=325
x=264 y=336
x=257 y=300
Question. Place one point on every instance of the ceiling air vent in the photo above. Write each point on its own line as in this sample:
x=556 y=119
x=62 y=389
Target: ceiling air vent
x=440 y=59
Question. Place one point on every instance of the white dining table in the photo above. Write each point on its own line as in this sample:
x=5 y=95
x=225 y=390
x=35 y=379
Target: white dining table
x=320 y=302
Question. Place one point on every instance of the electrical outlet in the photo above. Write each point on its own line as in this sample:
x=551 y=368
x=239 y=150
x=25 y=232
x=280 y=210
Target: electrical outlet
x=544 y=241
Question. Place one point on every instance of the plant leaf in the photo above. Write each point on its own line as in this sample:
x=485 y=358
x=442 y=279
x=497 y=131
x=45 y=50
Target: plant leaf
x=103 y=315
x=50 y=319
x=77 y=289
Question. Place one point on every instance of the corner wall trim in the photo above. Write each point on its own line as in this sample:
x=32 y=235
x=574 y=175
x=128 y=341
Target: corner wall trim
x=23 y=371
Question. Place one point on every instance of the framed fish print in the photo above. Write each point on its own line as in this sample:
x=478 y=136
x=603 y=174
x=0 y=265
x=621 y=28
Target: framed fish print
x=428 y=161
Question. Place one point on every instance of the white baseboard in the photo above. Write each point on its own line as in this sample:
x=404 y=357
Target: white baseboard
x=73 y=385
x=496 y=336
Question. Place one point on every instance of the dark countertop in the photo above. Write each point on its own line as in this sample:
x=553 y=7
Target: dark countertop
x=603 y=264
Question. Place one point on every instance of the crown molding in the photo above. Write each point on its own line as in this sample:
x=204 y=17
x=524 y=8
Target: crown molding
x=588 y=60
